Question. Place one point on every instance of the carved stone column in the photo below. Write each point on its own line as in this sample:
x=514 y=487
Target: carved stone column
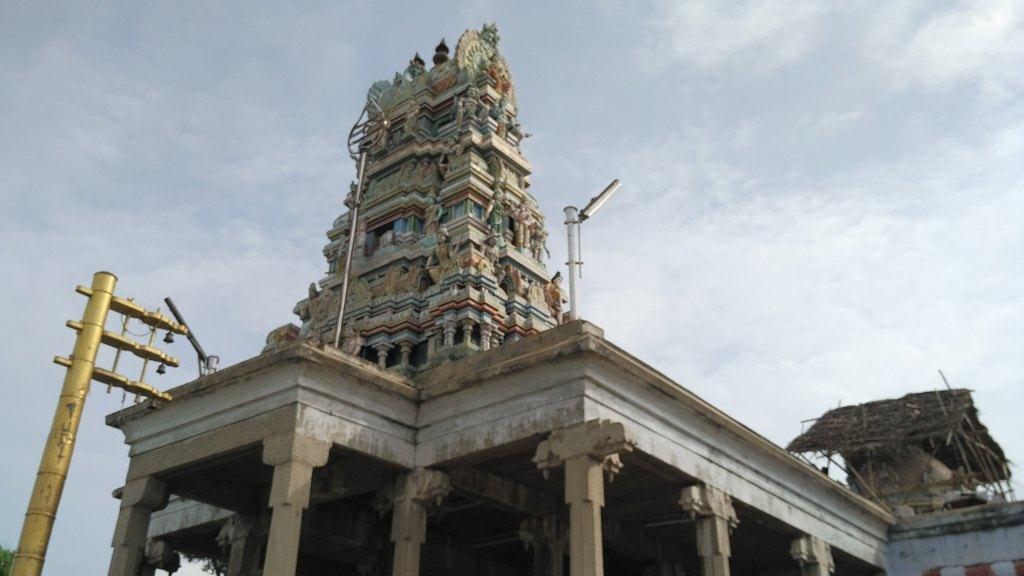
x=410 y=499
x=240 y=536
x=382 y=349
x=467 y=331
x=433 y=341
x=587 y=452
x=406 y=349
x=160 y=555
x=293 y=457
x=548 y=538
x=715 y=520
x=814 y=555
x=449 y=332
x=486 y=335
x=139 y=499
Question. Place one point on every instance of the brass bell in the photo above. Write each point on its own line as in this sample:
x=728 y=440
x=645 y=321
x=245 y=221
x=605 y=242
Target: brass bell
x=169 y=338
x=161 y=369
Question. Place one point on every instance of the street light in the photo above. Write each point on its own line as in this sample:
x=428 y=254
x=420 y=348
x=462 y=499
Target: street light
x=573 y=218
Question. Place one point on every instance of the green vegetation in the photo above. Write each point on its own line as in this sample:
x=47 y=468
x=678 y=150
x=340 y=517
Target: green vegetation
x=6 y=561
x=215 y=566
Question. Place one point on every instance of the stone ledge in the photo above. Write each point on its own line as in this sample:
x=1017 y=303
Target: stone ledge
x=293 y=353
x=974 y=519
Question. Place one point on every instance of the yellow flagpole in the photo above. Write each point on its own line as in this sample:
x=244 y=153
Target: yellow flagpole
x=60 y=444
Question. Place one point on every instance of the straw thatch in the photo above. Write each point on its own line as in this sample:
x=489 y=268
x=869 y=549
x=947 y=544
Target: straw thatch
x=943 y=423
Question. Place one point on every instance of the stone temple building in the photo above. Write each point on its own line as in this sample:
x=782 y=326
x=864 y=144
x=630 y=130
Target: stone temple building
x=461 y=428
x=449 y=244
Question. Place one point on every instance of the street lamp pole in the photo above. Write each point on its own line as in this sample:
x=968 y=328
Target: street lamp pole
x=573 y=218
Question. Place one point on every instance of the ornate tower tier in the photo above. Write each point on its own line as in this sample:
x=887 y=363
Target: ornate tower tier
x=449 y=243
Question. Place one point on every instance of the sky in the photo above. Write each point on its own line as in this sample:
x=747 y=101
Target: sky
x=821 y=203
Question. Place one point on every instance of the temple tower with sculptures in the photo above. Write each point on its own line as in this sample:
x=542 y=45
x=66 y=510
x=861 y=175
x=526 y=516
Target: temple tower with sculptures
x=461 y=428
x=449 y=243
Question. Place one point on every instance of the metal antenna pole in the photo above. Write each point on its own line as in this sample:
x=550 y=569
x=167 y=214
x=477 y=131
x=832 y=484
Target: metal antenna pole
x=572 y=223
x=204 y=359
x=353 y=218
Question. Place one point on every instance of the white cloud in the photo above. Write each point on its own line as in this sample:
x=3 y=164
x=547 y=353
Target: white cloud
x=199 y=153
x=775 y=302
x=705 y=34
x=977 y=42
x=832 y=120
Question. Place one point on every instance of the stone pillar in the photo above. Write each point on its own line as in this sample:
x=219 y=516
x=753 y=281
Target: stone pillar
x=486 y=335
x=467 y=331
x=239 y=536
x=449 y=332
x=715 y=520
x=140 y=497
x=814 y=555
x=587 y=452
x=382 y=349
x=410 y=499
x=406 y=349
x=160 y=556
x=293 y=457
x=548 y=538
x=428 y=337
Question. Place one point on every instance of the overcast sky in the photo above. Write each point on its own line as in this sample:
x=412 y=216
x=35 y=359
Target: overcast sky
x=820 y=203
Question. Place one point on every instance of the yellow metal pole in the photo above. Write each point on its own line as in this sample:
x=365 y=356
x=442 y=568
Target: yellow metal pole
x=60 y=444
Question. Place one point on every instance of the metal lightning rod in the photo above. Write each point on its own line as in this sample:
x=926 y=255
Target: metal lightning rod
x=367 y=131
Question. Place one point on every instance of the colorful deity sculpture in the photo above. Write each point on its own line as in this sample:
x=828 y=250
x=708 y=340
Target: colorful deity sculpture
x=449 y=242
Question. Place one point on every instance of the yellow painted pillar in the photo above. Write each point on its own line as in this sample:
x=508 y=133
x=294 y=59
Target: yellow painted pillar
x=293 y=457
x=588 y=452
x=60 y=444
x=141 y=496
x=584 y=493
x=715 y=519
x=814 y=556
x=243 y=559
x=411 y=497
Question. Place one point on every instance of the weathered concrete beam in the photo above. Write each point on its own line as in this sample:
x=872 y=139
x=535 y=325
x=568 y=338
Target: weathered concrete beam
x=492 y=489
x=460 y=559
x=345 y=479
x=183 y=517
x=503 y=493
x=632 y=541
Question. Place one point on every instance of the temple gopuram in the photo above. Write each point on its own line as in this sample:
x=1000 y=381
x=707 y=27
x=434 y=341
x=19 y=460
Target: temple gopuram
x=462 y=428
x=449 y=244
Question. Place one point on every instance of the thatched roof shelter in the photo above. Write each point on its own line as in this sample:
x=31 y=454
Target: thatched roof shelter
x=943 y=423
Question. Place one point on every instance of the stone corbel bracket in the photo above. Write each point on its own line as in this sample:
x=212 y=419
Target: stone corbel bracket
x=293 y=456
x=422 y=486
x=410 y=498
x=704 y=501
x=813 y=552
x=602 y=440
